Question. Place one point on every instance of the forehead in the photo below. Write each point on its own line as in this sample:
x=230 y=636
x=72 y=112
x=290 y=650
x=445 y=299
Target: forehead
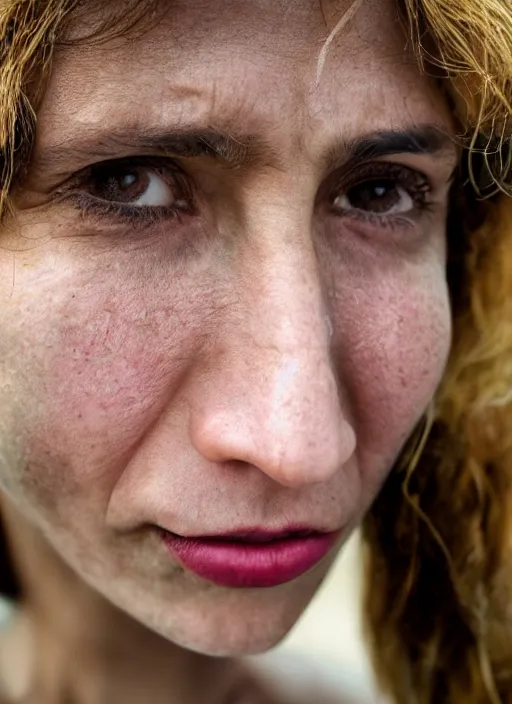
x=251 y=64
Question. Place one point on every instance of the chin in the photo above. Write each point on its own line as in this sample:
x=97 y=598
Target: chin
x=224 y=622
x=245 y=624
x=235 y=641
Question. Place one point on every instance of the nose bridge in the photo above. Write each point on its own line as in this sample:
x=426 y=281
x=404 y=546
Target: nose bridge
x=279 y=405
x=283 y=295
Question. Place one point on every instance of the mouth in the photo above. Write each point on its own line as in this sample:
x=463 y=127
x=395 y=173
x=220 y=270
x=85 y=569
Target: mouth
x=251 y=558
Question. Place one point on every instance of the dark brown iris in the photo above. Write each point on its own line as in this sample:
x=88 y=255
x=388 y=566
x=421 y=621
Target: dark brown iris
x=378 y=196
x=119 y=184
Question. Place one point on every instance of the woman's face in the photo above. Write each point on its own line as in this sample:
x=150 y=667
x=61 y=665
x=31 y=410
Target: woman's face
x=224 y=306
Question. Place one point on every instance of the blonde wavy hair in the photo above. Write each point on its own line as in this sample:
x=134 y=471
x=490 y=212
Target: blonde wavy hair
x=438 y=540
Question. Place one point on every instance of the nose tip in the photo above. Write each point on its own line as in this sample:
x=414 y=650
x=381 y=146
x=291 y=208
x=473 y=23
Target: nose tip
x=314 y=458
x=293 y=432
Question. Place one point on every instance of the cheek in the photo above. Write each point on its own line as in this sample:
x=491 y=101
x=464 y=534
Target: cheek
x=109 y=376
x=94 y=368
x=395 y=335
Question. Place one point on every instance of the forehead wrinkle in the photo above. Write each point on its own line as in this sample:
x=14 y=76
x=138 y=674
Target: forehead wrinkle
x=278 y=123
x=235 y=128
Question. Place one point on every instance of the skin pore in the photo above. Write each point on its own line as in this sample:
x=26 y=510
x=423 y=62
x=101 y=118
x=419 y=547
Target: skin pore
x=224 y=306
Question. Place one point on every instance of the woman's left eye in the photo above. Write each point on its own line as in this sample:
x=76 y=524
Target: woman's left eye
x=379 y=196
x=381 y=190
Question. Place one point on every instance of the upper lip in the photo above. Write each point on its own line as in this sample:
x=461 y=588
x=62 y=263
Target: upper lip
x=260 y=535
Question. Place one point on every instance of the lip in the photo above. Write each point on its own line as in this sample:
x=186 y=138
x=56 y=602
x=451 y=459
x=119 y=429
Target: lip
x=252 y=558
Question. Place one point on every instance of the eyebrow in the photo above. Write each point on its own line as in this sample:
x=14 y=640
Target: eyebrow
x=422 y=139
x=233 y=150
x=225 y=147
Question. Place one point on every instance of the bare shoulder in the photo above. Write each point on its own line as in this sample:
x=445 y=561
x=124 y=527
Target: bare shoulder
x=292 y=678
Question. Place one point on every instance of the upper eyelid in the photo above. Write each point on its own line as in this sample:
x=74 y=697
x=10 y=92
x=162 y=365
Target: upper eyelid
x=341 y=180
x=79 y=178
x=175 y=165
x=174 y=162
x=384 y=167
x=332 y=164
x=146 y=160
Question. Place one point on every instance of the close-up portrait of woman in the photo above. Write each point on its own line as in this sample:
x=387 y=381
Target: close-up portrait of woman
x=255 y=294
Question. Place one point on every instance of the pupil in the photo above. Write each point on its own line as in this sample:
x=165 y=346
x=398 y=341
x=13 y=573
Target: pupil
x=119 y=185
x=128 y=180
x=374 y=196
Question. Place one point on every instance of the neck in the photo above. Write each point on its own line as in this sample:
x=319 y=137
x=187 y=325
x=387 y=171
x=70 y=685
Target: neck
x=69 y=644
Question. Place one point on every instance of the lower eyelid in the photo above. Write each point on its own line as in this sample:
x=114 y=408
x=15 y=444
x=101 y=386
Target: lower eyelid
x=378 y=232
x=378 y=219
x=409 y=221
x=118 y=212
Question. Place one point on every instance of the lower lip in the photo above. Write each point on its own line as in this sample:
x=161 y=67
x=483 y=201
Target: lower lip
x=250 y=565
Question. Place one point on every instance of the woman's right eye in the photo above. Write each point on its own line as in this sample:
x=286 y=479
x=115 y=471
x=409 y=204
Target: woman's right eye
x=132 y=187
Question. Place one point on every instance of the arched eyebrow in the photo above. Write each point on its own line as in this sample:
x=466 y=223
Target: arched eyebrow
x=185 y=142
x=421 y=139
x=232 y=150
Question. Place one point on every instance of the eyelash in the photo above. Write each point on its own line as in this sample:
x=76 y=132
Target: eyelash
x=141 y=215
x=415 y=183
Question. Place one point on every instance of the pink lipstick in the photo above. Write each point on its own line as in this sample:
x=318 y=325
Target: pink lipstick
x=252 y=558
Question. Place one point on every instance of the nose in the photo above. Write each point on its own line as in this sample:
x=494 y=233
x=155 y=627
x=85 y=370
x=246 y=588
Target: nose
x=270 y=397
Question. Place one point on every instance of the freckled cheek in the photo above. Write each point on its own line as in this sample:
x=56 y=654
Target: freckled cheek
x=105 y=382
x=392 y=357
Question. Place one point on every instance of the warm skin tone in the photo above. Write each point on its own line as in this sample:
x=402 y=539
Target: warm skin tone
x=258 y=360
